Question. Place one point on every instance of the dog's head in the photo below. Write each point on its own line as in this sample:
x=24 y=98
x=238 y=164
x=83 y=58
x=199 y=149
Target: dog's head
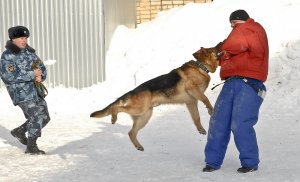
x=209 y=57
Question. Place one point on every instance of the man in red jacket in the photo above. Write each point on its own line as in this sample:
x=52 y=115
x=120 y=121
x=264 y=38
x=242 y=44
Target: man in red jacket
x=244 y=66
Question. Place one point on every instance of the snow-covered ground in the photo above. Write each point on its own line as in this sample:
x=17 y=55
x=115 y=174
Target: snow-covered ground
x=80 y=148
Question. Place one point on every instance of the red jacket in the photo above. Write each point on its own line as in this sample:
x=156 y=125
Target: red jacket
x=247 y=52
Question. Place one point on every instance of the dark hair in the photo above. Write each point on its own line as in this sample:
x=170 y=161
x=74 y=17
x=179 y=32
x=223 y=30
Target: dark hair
x=239 y=15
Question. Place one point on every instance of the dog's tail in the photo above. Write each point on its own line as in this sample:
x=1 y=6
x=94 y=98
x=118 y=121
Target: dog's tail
x=104 y=112
x=108 y=109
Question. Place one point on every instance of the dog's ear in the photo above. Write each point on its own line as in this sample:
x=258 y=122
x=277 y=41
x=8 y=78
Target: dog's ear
x=200 y=53
x=197 y=52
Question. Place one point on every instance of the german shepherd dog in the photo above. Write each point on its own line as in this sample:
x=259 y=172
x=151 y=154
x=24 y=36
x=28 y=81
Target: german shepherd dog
x=184 y=85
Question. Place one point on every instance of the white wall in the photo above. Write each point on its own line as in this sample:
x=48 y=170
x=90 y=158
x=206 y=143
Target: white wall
x=73 y=33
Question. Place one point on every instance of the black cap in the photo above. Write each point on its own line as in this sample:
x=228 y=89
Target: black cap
x=239 y=15
x=17 y=32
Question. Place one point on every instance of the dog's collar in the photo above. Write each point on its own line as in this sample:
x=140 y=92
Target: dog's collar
x=202 y=66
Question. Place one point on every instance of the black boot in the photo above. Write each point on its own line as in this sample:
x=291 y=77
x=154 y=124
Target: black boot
x=32 y=147
x=19 y=133
x=246 y=169
x=208 y=168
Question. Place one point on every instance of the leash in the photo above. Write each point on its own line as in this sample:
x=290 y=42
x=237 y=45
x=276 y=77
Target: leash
x=41 y=89
x=229 y=78
x=260 y=92
x=218 y=85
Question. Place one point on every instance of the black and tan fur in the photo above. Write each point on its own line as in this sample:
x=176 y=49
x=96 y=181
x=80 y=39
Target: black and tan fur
x=184 y=85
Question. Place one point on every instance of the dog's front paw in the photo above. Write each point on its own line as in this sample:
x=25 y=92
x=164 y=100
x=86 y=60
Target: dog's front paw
x=210 y=111
x=140 y=148
x=202 y=131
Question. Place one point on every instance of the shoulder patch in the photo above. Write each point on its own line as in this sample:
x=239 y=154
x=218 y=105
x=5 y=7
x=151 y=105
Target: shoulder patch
x=11 y=68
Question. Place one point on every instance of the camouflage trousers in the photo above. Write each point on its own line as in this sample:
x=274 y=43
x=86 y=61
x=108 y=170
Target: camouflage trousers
x=36 y=113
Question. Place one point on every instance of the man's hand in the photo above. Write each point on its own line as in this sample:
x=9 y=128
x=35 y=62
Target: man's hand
x=37 y=75
x=37 y=72
x=38 y=79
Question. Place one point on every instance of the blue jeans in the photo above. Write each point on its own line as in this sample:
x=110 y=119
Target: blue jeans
x=236 y=110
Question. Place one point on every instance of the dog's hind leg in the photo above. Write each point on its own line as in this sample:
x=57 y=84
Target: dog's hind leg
x=138 y=123
x=193 y=109
x=114 y=115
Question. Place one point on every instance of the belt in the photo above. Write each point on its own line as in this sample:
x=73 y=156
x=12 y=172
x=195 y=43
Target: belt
x=260 y=92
